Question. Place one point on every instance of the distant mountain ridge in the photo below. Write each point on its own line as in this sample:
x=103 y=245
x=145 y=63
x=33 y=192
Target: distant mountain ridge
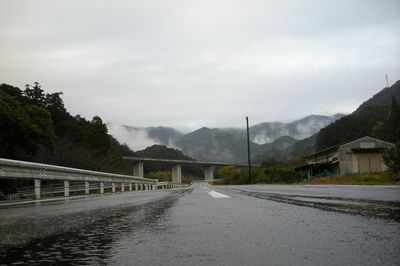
x=226 y=144
x=378 y=117
x=299 y=129
x=382 y=98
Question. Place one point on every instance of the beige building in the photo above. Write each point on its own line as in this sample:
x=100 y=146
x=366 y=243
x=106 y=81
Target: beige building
x=363 y=155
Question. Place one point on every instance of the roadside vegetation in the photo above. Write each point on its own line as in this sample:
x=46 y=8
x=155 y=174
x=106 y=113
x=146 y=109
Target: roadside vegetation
x=166 y=176
x=35 y=126
x=386 y=178
x=286 y=175
x=280 y=174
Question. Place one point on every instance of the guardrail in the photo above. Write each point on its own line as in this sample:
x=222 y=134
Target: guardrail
x=28 y=170
x=13 y=169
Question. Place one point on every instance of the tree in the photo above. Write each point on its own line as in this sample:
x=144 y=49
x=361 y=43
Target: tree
x=391 y=128
x=391 y=158
x=24 y=128
x=54 y=102
x=35 y=94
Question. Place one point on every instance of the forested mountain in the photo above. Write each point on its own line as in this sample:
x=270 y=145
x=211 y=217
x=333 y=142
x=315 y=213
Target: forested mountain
x=163 y=152
x=382 y=98
x=268 y=140
x=228 y=144
x=215 y=145
x=378 y=117
x=36 y=127
x=299 y=129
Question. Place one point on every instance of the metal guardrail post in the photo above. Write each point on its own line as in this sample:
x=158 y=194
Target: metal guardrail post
x=87 y=188
x=37 y=189
x=66 y=188
x=101 y=188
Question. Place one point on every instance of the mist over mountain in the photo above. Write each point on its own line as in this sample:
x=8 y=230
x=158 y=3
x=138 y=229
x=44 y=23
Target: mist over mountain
x=299 y=129
x=138 y=138
x=224 y=144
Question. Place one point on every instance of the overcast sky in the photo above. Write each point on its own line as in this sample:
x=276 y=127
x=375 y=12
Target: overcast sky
x=188 y=64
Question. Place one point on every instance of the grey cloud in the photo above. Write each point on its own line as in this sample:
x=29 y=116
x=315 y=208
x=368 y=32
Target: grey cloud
x=187 y=64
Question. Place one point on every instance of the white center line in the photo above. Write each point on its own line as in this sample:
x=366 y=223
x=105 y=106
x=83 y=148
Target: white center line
x=218 y=195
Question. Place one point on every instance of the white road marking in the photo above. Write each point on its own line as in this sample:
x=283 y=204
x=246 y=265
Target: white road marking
x=218 y=195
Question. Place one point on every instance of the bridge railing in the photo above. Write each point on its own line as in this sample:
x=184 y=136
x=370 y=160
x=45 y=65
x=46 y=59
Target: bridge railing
x=82 y=180
x=27 y=170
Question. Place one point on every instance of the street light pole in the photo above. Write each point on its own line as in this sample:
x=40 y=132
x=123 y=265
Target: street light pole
x=248 y=149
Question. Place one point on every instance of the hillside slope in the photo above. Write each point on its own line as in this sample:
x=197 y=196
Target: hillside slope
x=378 y=117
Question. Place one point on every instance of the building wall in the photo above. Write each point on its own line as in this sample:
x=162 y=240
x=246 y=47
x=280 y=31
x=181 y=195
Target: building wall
x=351 y=162
x=369 y=162
x=324 y=158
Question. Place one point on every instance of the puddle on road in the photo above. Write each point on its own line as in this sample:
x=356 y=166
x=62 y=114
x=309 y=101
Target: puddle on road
x=92 y=243
x=387 y=210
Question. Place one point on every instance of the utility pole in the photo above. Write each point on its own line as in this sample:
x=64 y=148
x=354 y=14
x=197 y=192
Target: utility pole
x=248 y=149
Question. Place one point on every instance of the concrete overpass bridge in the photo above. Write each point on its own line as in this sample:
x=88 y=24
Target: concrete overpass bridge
x=208 y=167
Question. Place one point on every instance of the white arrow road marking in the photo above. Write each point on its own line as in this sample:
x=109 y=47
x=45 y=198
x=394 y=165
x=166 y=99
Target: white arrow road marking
x=218 y=195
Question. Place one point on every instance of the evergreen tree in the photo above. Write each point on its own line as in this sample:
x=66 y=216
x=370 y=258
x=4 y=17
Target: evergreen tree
x=35 y=94
x=390 y=129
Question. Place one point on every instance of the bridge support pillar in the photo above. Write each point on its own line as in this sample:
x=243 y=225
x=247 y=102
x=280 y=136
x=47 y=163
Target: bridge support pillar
x=86 y=188
x=136 y=187
x=113 y=187
x=177 y=174
x=101 y=188
x=37 y=188
x=122 y=187
x=130 y=186
x=209 y=173
x=66 y=188
x=138 y=169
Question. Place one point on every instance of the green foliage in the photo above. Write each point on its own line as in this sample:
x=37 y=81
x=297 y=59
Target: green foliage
x=167 y=176
x=36 y=126
x=24 y=127
x=161 y=175
x=270 y=175
x=378 y=117
x=390 y=129
x=382 y=98
x=163 y=152
x=392 y=158
x=278 y=174
x=351 y=127
x=233 y=175
x=34 y=94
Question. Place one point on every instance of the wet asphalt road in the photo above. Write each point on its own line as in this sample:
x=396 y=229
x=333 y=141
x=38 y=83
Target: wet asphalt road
x=206 y=225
